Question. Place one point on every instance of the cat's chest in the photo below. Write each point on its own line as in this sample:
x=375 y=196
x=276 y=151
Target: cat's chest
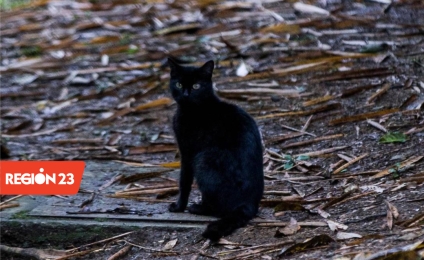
x=187 y=126
x=220 y=126
x=195 y=132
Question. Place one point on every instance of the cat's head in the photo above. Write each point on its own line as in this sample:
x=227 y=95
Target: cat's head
x=191 y=85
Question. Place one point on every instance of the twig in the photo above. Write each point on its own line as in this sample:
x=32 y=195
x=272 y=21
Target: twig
x=297 y=130
x=324 y=151
x=318 y=100
x=411 y=222
x=258 y=247
x=101 y=241
x=277 y=192
x=146 y=191
x=377 y=125
x=274 y=153
x=390 y=252
x=354 y=197
x=379 y=92
x=111 y=181
x=360 y=173
x=144 y=199
x=360 y=117
x=257 y=91
x=122 y=252
x=344 y=157
x=61 y=197
x=141 y=187
x=206 y=255
x=313 y=192
x=81 y=253
x=414 y=130
x=336 y=200
x=11 y=205
x=321 y=138
x=307 y=124
x=337 y=164
x=45 y=132
x=88 y=201
x=341 y=168
x=33 y=252
x=11 y=199
x=151 y=249
x=273 y=202
x=254 y=253
x=323 y=108
x=302 y=224
x=403 y=164
x=278 y=139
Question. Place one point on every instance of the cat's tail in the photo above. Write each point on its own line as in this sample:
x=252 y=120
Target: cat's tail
x=226 y=225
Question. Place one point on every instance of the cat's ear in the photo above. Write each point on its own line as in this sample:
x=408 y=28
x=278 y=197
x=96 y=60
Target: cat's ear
x=207 y=69
x=174 y=67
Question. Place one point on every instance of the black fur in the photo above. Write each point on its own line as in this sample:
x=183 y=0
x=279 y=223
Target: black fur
x=220 y=147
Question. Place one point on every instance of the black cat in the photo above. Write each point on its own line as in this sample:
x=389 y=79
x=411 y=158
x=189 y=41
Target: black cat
x=220 y=147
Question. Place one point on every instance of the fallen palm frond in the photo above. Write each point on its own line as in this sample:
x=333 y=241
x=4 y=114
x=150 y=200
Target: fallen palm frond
x=323 y=151
x=40 y=254
x=311 y=141
x=363 y=116
x=396 y=168
x=341 y=168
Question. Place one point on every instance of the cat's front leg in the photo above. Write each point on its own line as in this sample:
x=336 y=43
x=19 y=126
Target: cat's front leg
x=186 y=180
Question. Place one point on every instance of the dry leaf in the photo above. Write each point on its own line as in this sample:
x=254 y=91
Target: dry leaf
x=334 y=226
x=392 y=209
x=290 y=229
x=305 y=8
x=389 y=219
x=170 y=244
x=323 y=213
x=344 y=235
x=372 y=188
x=377 y=125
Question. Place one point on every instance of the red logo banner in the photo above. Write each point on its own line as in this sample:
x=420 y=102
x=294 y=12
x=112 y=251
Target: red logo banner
x=40 y=177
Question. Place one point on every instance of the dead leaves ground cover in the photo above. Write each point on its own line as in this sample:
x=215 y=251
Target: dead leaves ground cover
x=336 y=88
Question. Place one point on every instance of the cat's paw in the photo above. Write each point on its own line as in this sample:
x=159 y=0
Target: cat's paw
x=213 y=232
x=200 y=209
x=197 y=209
x=175 y=207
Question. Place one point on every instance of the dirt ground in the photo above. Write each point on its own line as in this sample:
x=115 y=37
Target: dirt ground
x=336 y=87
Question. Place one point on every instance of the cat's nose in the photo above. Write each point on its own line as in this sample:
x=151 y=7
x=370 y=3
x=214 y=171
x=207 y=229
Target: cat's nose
x=185 y=92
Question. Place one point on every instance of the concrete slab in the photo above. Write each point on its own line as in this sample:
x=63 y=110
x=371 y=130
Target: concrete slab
x=51 y=210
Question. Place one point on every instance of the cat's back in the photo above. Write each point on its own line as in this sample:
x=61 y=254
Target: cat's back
x=232 y=150
x=219 y=114
x=234 y=120
x=221 y=125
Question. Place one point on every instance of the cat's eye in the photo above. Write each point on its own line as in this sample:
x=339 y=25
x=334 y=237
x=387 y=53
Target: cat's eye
x=196 y=86
x=179 y=85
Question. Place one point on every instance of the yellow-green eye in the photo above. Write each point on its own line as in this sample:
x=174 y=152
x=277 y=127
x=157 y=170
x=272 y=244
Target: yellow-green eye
x=179 y=85
x=196 y=86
